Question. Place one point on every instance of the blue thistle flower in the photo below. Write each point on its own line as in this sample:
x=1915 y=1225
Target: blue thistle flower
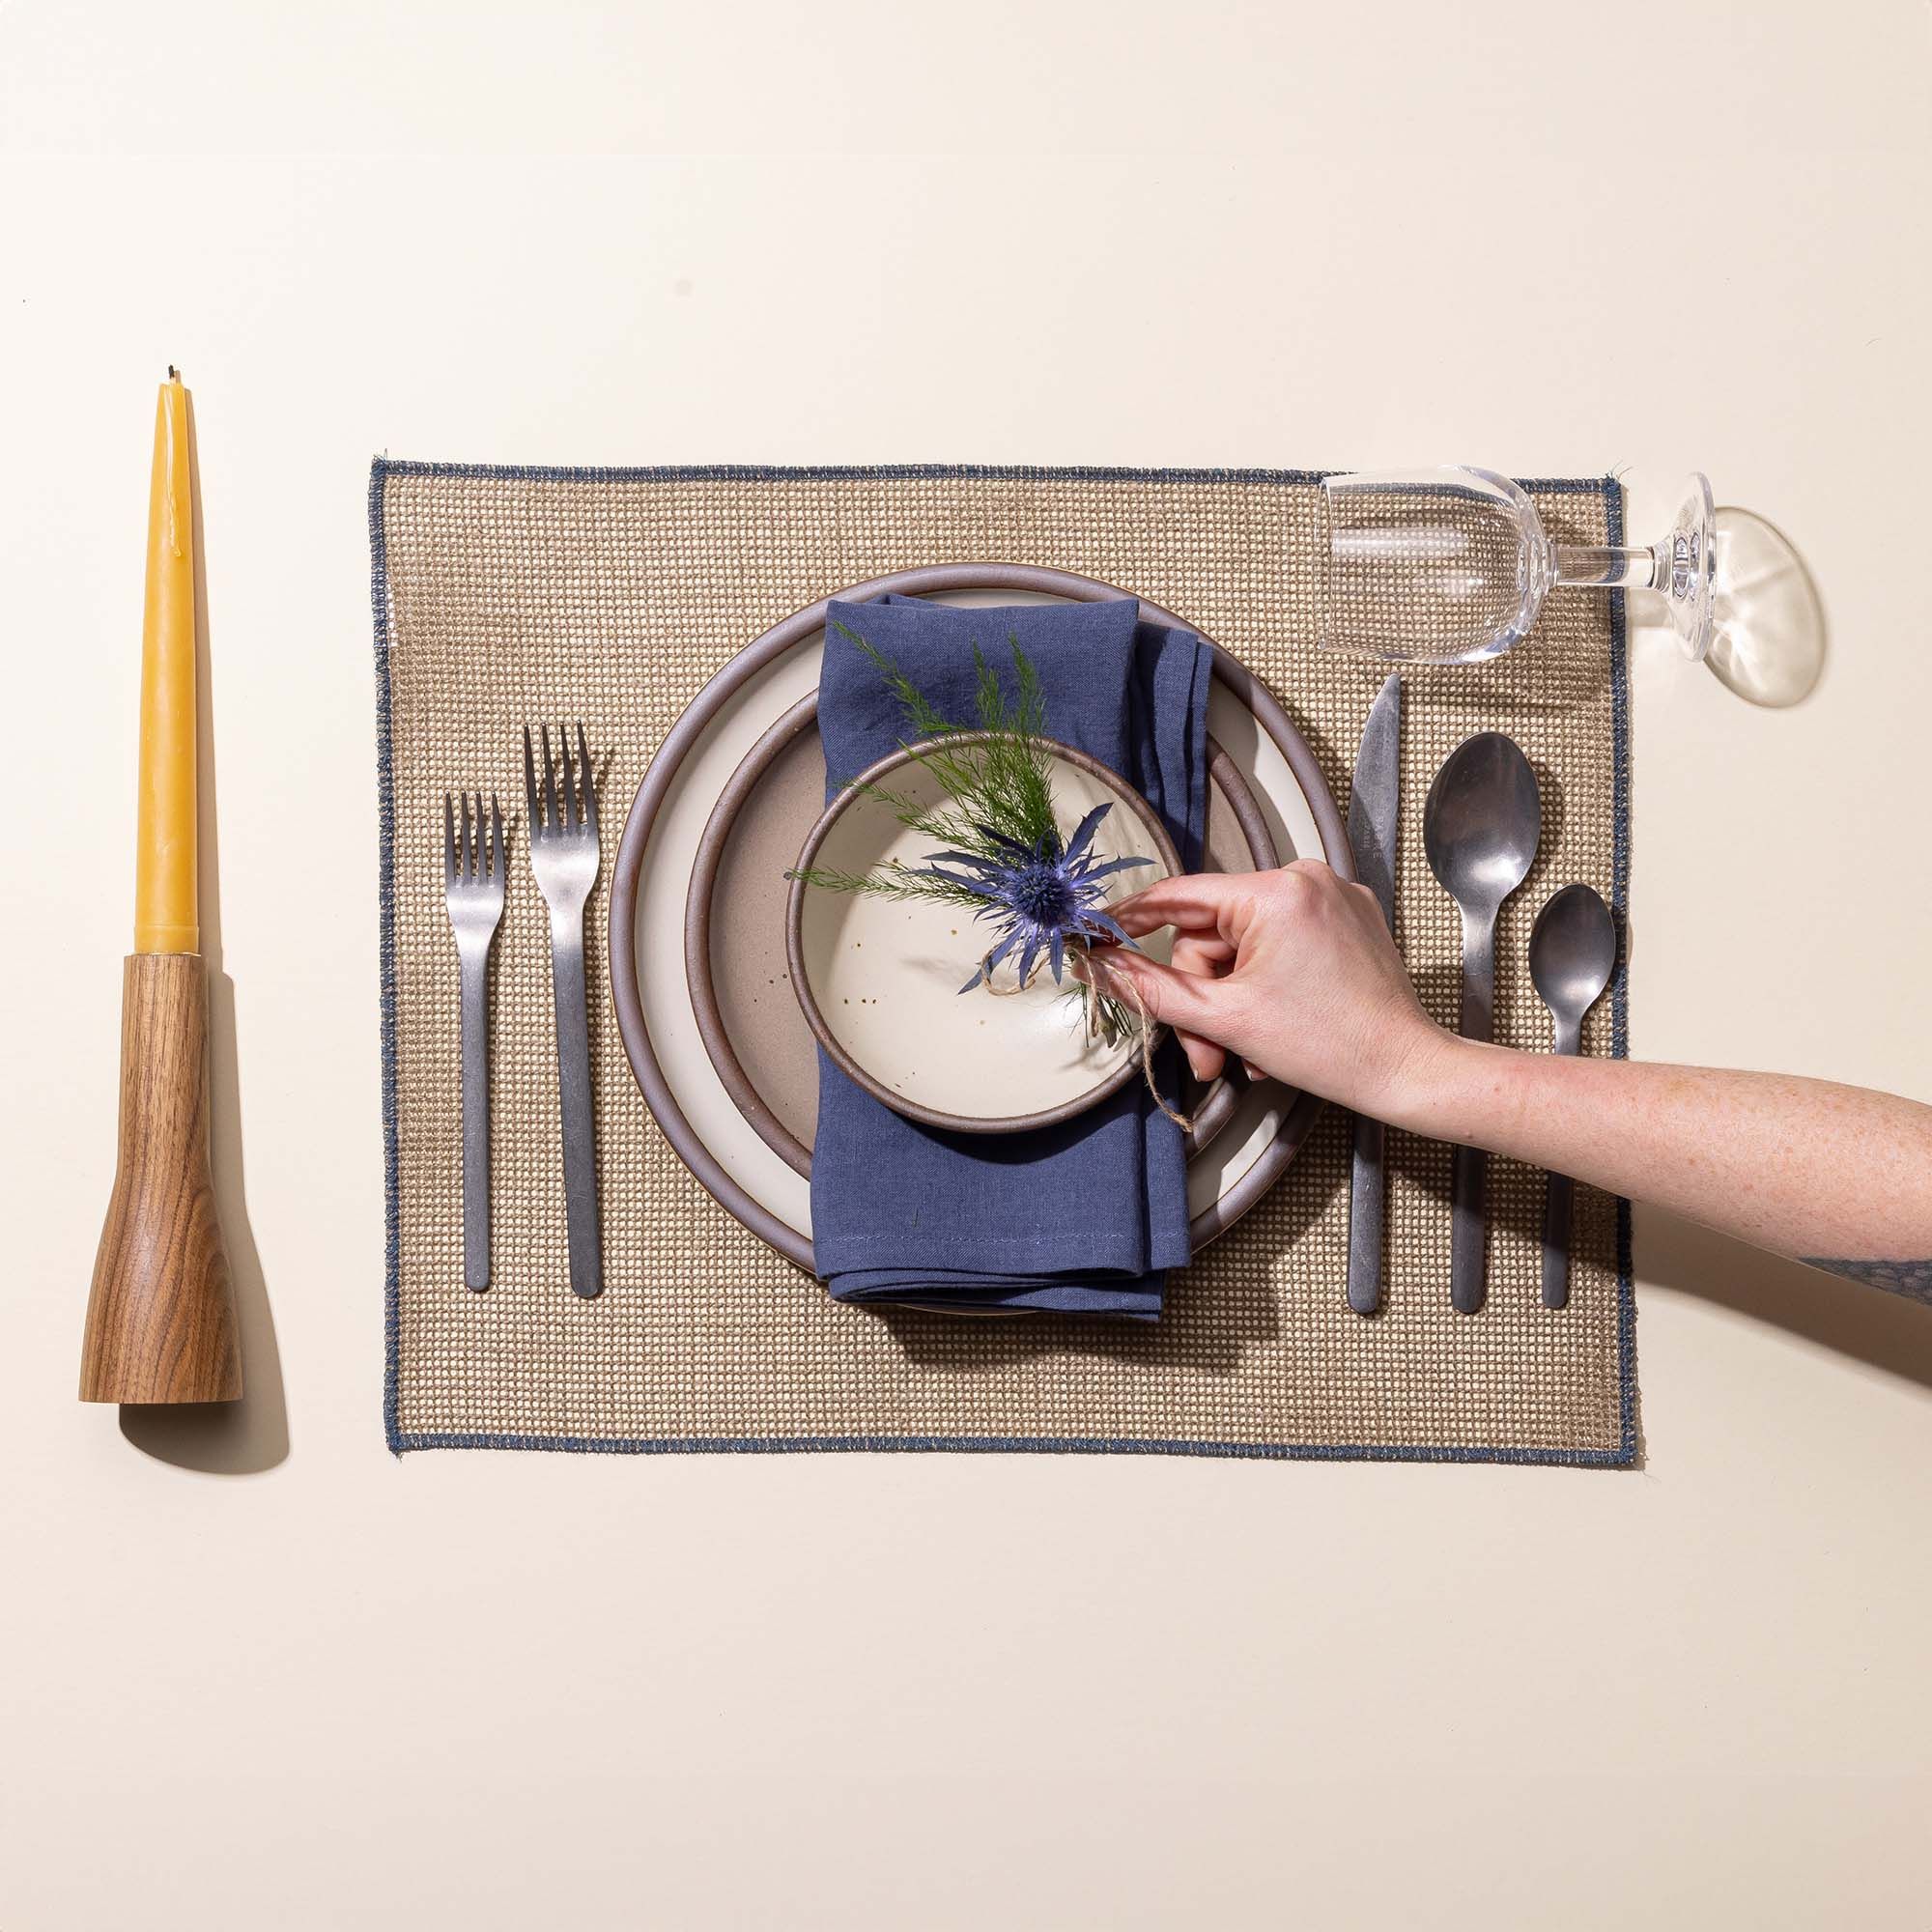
x=1038 y=895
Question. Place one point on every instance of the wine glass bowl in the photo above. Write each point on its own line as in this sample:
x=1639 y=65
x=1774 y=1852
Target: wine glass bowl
x=1444 y=566
x=1452 y=566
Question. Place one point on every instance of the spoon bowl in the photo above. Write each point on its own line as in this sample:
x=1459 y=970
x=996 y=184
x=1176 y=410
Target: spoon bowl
x=1572 y=952
x=1481 y=825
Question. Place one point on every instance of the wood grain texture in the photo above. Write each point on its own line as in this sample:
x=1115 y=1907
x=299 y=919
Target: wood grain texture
x=160 y=1319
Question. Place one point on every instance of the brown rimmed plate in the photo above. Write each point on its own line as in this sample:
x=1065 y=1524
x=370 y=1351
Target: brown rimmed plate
x=651 y=876
x=734 y=944
x=878 y=980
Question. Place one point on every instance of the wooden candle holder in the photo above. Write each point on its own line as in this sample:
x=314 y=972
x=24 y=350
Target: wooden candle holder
x=160 y=1319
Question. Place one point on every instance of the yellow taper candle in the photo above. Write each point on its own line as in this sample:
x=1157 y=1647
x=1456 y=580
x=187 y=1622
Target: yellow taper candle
x=168 y=915
x=161 y=1314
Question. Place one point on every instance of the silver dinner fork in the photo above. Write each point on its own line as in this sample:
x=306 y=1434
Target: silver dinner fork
x=472 y=888
x=565 y=857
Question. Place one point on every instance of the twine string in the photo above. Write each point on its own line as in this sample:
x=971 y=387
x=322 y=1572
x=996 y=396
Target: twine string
x=1143 y=1029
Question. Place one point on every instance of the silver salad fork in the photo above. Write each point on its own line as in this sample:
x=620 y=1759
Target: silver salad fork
x=565 y=857
x=472 y=888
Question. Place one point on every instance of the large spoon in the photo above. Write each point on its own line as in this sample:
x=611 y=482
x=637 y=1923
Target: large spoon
x=1480 y=829
x=1572 y=952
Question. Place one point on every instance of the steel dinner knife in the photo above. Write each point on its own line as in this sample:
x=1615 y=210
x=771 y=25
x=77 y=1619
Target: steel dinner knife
x=1373 y=801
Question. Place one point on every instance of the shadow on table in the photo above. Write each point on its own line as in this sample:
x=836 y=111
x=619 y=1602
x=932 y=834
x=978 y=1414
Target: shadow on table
x=1773 y=636
x=1207 y=1327
x=1884 y=1330
x=230 y=1439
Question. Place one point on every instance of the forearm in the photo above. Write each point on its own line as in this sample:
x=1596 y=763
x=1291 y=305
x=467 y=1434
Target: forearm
x=1803 y=1167
x=1294 y=971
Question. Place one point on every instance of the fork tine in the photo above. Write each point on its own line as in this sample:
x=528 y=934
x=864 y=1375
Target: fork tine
x=448 y=841
x=551 y=822
x=467 y=853
x=482 y=871
x=590 y=781
x=570 y=811
x=533 y=818
x=497 y=823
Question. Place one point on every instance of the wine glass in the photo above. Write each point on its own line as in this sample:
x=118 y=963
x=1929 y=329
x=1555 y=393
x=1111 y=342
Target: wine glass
x=1451 y=565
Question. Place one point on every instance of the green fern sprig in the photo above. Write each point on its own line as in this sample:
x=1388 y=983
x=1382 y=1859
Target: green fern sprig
x=889 y=882
x=1004 y=781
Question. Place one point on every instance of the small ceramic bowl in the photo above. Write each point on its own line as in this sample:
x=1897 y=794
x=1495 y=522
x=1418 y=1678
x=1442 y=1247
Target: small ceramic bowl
x=878 y=979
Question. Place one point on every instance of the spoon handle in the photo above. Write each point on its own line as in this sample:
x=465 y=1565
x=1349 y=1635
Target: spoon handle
x=1479 y=976
x=1559 y=1198
x=1468 y=1286
x=1557 y=1204
x=1367 y=1210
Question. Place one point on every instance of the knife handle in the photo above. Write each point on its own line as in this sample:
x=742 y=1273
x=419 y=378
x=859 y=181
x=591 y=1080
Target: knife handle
x=1367 y=1198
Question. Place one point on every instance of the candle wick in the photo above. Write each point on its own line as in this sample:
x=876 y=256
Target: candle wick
x=174 y=374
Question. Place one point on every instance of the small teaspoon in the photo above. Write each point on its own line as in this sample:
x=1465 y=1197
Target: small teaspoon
x=1572 y=952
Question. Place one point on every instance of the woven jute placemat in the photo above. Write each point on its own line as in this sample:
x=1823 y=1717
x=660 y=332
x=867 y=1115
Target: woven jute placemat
x=506 y=595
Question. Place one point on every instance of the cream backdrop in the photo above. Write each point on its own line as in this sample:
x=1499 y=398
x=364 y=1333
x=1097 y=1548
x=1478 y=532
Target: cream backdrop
x=314 y=1688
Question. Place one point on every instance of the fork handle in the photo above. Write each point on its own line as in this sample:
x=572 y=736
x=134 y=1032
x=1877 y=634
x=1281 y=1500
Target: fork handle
x=475 y=967
x=573 y=1081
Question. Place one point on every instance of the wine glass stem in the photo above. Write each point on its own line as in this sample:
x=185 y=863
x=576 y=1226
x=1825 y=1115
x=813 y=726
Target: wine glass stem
x=1606 y=568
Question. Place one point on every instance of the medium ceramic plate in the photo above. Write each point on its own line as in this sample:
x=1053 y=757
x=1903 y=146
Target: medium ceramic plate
x=880 y=980
x=734 y=930
x=655 y=1016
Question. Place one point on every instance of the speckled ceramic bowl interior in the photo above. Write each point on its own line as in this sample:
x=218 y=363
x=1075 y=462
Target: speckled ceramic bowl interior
x=878 y=979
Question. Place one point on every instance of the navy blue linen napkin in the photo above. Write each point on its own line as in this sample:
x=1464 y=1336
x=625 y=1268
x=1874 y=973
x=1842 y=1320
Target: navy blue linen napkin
x=1084 y=1217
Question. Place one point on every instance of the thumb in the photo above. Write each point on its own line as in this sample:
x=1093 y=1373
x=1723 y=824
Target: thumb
x=1189 y=1002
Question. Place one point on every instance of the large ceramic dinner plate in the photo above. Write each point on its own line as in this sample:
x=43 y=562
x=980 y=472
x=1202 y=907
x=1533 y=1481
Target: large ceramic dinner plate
x=665 y=827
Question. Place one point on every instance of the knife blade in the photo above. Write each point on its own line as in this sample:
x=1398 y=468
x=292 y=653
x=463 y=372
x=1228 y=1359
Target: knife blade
x=1374 y=799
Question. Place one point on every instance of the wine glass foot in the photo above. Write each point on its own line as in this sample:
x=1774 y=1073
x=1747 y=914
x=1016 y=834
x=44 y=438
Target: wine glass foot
x=1684 y=569
x=1768 y=624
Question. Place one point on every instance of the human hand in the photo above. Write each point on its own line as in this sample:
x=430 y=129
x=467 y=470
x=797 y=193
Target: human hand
x=1293 y=970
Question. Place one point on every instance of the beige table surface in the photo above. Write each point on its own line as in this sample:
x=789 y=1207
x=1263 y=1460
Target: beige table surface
x=314 y=1688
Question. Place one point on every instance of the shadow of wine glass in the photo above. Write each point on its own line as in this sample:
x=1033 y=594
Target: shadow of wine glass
x=247 y=1436
x=1770 y=636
